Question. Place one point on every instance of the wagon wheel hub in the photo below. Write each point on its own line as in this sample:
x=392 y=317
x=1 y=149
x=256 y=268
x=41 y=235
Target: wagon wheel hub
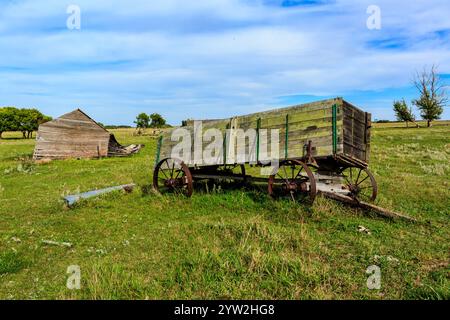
x=294 y=179
x=173 y=182
x=293 y=186
x=354 y=189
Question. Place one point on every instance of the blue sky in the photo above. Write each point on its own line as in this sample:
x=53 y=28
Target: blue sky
x=215 y=58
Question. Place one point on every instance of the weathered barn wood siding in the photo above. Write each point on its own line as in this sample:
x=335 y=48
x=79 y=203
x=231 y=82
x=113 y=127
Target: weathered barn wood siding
x=309 y=122
x=73 y=135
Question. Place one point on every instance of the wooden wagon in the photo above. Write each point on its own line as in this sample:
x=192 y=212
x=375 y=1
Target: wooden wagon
x=322 y=146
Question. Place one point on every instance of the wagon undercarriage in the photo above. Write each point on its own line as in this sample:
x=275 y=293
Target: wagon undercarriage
x=299 y=179
x=354 y=186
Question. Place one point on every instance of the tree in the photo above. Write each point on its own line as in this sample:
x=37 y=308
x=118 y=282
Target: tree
x=433 y=96
x=157 y=120
x=8 y=120
x=29 y=121
x=142 y=122
x=403 y=113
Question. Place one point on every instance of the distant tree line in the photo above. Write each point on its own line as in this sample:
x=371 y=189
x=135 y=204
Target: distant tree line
x=431 y=101
x=22 y=120
x=112 y=126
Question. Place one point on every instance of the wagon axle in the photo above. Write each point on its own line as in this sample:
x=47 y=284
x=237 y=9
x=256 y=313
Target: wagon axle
x=294 y=186
x=346 y=192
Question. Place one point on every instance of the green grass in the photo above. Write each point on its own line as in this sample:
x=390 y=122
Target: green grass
x=224 y=244
x=10 y=262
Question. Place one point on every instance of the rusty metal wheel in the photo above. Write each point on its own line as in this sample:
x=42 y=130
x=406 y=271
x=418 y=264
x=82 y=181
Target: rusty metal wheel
x=361 y=183
x=172 y=176
x=295 y=179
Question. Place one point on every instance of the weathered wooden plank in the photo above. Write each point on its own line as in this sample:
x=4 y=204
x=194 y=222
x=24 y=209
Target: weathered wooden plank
x=313 y=106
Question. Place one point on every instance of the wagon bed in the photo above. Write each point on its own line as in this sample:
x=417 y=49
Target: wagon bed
x=336 y=129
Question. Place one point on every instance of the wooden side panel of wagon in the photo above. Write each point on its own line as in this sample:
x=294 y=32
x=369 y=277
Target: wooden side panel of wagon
x=334 y=127
x=300 y=124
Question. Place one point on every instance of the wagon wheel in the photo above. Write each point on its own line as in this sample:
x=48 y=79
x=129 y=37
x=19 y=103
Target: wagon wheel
x=172 y=176
x=294 y=178
x=361 y=183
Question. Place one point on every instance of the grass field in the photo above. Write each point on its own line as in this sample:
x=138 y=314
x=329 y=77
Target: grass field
x=225 y=244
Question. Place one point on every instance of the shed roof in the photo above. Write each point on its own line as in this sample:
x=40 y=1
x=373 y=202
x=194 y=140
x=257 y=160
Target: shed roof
x=76 y=115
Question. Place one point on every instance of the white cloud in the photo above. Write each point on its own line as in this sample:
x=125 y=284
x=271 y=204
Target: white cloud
x=209 y=58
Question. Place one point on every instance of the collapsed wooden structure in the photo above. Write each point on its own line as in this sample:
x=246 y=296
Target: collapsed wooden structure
x=76 y=135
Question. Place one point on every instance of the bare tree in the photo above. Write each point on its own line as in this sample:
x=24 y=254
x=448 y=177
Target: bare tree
x=433 y=97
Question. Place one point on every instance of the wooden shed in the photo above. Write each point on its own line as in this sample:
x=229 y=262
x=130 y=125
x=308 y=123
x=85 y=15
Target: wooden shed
x=76 y=135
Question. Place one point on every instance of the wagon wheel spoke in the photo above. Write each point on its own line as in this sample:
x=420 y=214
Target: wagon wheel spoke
x=346 y=178
x=357 y=178
x=282 y=178
x=362 y=180
x=164 y=174
x=168 y=164
x=298 y=173
x=161 y=179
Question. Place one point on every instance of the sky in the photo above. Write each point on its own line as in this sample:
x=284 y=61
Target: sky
x=216 y=58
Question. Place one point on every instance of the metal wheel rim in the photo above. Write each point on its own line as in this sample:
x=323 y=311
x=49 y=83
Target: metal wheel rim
x=361 y=183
